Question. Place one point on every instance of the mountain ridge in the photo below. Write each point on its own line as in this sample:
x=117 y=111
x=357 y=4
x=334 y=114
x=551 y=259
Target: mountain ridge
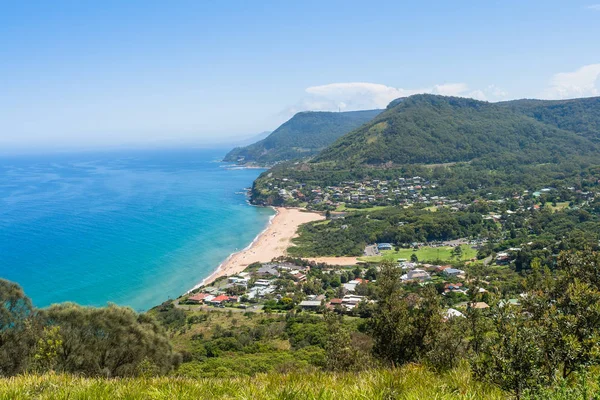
x=302 y=136
x=433 y=129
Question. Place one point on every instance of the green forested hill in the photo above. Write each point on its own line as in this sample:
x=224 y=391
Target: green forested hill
x=577 y=115
x=437 y=129
x=304 y=135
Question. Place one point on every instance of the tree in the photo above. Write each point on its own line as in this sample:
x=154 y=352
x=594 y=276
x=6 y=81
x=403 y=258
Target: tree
x=567 y=309
x=48 y=348
x=403 y=327
x=371 y=274
x=414 y=258
x=457 y=252
x=512 y=358
x=340 y=354
x=109 y=341
x=17 y=320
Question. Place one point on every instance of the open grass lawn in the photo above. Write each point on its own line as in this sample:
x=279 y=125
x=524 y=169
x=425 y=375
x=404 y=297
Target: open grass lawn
x=409 y=382
x=423 y=254
x=342 y=207
x=558 y=207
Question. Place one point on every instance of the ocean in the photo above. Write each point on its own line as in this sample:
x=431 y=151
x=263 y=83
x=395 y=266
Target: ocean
x=133 y=228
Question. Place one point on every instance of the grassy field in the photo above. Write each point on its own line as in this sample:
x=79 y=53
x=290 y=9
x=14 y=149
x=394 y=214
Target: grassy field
x=409 y=382
x=423 y=254
x=558 y=207
x=342 y=207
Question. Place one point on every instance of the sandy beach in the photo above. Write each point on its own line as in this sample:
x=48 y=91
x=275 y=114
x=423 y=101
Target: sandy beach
x=271 y=243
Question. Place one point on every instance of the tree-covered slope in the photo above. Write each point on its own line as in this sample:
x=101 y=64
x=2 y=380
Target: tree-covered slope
x=438 y=129
x=304 y=135
x=577 y=115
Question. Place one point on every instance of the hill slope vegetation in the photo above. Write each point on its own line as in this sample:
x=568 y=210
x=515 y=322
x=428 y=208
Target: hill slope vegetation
x=304 y=135
x=576 y=115
x=432 y=129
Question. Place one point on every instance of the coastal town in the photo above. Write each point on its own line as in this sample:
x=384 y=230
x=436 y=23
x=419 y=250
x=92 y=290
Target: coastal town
x=407 y=191
x=463 y=270
x=287 y=284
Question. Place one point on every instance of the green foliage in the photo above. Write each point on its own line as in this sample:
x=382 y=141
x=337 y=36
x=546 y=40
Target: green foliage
x=48 y=348
x=341 y=354
x=304 y=135
x=403 y=326
x=438 y=129
x=109 y=341
x=512 y=357
x=391 y=225
x=17 y=330
x=576 y=115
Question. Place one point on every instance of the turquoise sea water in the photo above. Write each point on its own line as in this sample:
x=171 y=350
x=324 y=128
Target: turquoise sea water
x=134 y=228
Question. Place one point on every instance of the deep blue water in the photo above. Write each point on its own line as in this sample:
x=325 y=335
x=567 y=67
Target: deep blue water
x=133 y=228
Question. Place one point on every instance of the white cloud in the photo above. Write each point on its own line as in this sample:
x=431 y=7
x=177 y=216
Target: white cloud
x=477 y=95
x=364 y=95
x=595 y=7
x=357 y=95
x=583 y=82
x=450 y=89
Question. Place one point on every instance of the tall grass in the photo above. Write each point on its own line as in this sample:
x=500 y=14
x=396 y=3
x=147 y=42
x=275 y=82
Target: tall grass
x=409 y=382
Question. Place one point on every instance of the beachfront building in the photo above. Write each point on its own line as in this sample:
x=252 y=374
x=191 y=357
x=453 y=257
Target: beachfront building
x=220 y=299
x=200 y=298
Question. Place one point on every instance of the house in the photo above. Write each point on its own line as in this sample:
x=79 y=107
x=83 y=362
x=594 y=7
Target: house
x=259 y=291
x=299 y=276
x=310 y=304
x=336 y=302
x=267 y=270
x=452 y=313
x=453 y=272
x=350 y=287
x=200 y=298
x=384 y=246
x=357 y=282
x=236 y=280
x=212 y=290
x=416 y=275
x=262 y=282
x=441 y=268
x=453 y=287
x=350 y=301
x=219 y=300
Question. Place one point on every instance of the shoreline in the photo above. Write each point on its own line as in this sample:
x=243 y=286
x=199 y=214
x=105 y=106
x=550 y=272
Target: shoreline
x=271 y=242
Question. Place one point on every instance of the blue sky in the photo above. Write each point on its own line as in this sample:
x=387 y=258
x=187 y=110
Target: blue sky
x=112 y=73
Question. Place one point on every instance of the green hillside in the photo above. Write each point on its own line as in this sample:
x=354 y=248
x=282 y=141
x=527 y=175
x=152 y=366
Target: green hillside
x=436 y=129
x=304 y=135
x=577 y=115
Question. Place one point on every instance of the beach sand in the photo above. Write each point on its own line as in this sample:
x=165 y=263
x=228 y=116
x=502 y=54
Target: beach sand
x=271 y=243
